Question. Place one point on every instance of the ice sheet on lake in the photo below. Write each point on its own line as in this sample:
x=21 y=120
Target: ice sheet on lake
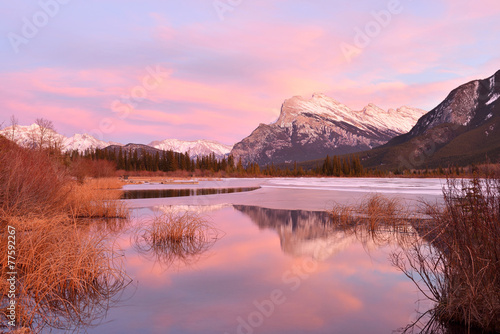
x=366 y=185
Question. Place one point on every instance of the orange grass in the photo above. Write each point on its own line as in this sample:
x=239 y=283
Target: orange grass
x=376 y=218
x=66 y=277
x=176 y=237
x=95 y=198
x=67 y=274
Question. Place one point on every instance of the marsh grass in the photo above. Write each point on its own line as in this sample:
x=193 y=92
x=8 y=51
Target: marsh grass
x=377 y=219
x=176 y=238
x=105 y=183
x=67 y=277
x=92 y=199
x=68 y=274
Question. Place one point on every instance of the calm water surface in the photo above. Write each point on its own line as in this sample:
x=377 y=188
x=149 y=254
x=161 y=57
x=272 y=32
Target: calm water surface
x=272 y=271
x=164 y=193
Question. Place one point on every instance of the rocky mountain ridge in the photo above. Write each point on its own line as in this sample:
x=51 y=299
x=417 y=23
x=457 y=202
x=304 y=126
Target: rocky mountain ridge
x=313 y=128
x=463 y=129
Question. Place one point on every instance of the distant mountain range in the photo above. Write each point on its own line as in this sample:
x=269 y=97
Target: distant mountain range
x=29 y=136
x=313 y=128
x=194 y=148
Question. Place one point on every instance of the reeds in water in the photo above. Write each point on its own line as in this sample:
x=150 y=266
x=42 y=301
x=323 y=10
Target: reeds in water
x=176 y=237
x=376 y=218
x=66 y=276
x=455 y=259
x=95 y=198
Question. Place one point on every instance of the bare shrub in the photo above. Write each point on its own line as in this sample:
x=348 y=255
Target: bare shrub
x=30 y=182
x=86 y=168
x=458 y=266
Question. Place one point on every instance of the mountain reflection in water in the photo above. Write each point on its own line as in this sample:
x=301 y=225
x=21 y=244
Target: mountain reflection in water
x=312 y=233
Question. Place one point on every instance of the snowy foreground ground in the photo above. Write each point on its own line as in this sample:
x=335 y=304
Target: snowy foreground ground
x=300 y=193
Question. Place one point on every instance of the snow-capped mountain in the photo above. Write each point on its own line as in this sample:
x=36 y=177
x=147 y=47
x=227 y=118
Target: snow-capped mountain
x=82 y=142
x=195 y=148
x=312 y=128
x=370 y=117
x=34 y=136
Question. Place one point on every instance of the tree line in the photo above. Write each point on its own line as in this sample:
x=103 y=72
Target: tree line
x=347 y=166
x=134 y=160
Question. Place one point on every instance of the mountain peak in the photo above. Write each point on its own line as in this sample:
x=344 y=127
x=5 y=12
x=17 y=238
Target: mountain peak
x=320 y=96
x=308 y=128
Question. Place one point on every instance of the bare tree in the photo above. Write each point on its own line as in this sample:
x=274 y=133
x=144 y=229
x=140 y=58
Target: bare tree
x=45 y=132
x=13 y=128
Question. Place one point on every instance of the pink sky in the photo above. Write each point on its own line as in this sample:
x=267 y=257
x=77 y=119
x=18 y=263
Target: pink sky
x=221 y=72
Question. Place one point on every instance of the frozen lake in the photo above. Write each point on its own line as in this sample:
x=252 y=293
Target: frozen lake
x=301 y=193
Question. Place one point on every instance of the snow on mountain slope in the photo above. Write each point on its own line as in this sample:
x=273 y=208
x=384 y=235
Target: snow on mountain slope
x=400 y=120
x=194 y=148
x=311 y=128
x=82 y=142
x=31 y=136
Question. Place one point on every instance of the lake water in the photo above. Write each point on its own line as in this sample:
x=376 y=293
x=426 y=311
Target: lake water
x=165 y=193
x=270 y=270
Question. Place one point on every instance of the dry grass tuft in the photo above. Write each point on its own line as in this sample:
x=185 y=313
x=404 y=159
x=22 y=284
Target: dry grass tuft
x=96 y=199
x=377 y=219
x=66 y=277
x=176 y=237
x=105 y=183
